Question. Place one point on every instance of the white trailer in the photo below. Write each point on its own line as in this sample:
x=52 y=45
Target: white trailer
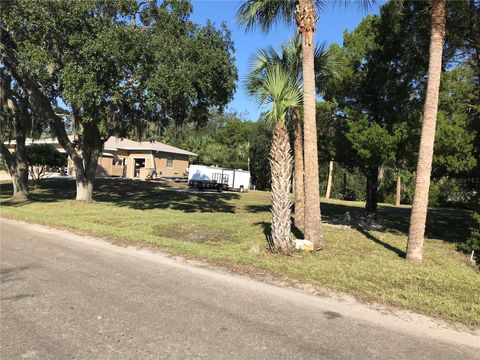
x=213 y=177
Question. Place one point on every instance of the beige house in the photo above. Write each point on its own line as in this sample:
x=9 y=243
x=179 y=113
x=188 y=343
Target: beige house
x=133 y=159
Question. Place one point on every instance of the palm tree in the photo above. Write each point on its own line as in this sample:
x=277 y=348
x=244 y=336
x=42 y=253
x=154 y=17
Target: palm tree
x=275 y=87
x=265 y=13
x=289 y=58
x=425 y=155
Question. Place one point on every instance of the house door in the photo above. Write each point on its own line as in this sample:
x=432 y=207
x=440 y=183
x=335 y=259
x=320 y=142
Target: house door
x=139 y=163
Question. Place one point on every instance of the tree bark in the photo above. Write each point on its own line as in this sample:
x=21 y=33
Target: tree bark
x=14 y=113
x=17 y=162
x=399 y=191
x=85 y=160
x=425 y=155
x=299 y=172
x=371 y=204
x=84 y=189
x=19 y=177
x=281 y=170
x=329 y=179
x=306 y=20
x=85 y=169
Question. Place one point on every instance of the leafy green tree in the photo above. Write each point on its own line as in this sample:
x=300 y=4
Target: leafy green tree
x=189 y=69
x=108 y=67
x=78 y=55
x=223 y=140
x=42 y=159
x=15 y=120
x=18 y=119
x=260 y=144
x=454 y=150
x=472 y=244
x=372 y=129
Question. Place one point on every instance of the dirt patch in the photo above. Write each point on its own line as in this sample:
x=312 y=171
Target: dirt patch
x=193 y=233
x=111 y=222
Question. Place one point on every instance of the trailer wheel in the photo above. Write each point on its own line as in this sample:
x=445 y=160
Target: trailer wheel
x=219 y=188
x=242 y=189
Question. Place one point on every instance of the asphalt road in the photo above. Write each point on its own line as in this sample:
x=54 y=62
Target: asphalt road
x=69 y=297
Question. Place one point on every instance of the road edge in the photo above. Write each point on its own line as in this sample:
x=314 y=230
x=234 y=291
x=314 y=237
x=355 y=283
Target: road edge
x=397 y=320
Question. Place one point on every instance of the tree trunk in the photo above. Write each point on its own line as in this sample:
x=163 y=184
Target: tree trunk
x=299 y=173
x=306 y=19
x=372 y=194
x=84 y=162
x=329 y=179
x=84 y=189
x=92 y=145
x=424 y=167
x=281 y=169
x=17 y=165
x=399 y=191
x=21 y=160
x=20 y=188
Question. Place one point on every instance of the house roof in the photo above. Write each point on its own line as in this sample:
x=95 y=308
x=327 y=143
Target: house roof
x=114 y=143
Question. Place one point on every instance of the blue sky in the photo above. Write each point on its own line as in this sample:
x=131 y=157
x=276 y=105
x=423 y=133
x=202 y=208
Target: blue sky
x=333 y=21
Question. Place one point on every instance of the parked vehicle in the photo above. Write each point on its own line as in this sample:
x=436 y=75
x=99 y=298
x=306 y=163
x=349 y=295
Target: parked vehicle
x=220 y=179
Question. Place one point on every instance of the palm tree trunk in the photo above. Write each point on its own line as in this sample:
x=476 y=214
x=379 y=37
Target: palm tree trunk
x=329 y=179
x=399 y=191
x=424 y=167
x=298 y=170
x=281 y=170
x=306 y=19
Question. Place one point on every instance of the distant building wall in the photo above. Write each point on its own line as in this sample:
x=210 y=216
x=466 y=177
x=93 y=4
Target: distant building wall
x=109 y=166
x=122 y=162
x=168 y=164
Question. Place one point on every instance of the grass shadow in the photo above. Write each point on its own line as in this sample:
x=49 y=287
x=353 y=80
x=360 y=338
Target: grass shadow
x=447 y=224
x=376 y=240
x=296 y=231
x=140 y=195
x=267 y=232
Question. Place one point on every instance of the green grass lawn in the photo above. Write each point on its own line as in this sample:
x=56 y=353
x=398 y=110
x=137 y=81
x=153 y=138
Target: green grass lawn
x=229 y=229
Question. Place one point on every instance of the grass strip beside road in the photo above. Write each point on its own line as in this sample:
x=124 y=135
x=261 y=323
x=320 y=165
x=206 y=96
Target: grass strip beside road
x=229 y=229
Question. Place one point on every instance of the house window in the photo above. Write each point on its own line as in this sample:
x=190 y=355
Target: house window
x=169 y=161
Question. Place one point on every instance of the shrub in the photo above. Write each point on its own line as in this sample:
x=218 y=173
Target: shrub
x=42 y=161
x=473 y=240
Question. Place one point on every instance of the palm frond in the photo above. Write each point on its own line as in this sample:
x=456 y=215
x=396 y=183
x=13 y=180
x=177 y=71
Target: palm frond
x=362 y=4
x=327 y=66
x=281 y=92
x=265 y=13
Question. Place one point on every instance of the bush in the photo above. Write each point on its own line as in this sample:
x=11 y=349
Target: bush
x=473 y=240
x=434 y=195
x=42 y=161
x=3 y=165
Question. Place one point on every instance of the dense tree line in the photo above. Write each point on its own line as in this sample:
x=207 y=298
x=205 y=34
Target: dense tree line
x=223 y=139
